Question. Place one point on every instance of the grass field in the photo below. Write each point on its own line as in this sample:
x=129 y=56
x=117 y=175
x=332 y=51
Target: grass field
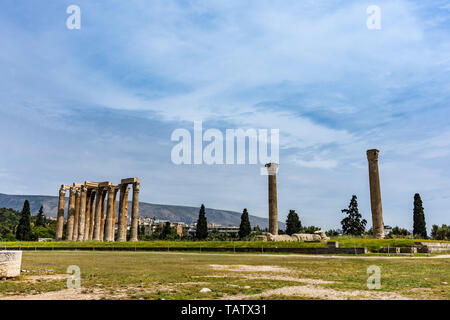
x=344 y=242
x=152 y=275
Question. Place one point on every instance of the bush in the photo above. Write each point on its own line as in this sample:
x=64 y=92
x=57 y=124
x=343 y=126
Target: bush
x=440 y=233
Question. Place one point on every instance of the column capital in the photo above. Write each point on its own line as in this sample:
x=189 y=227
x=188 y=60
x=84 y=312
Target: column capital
x=136 y=187
x=372 y=154
x=272 y=168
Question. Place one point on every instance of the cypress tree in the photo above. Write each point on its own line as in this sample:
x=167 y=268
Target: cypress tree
x=202 y=224
x=40 y=218
x=244 y=227
x=419 y=228
x=23 y=231
x=293 y=224
x=352 y=224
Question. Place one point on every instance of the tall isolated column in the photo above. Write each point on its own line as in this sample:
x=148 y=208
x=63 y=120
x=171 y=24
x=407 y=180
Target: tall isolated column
x=114 y=214
x=81 y=218
x=77 y=214
x=109 y=214
x=375 y=194
x=123 y=213
x=98 y=212
x=273 y=209
x=60 y=219
x=135 y=213
x=71 y=214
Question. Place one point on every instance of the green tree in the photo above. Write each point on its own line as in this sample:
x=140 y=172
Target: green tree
x=293 y=224
x=23 y=231
x=440 y=233
x=166 y=231
x=353 y=224
x=419 y=227
x=202 y=225
x=244 y=228
x=40 y=218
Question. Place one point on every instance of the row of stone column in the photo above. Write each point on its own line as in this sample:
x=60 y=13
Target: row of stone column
x=92 y=211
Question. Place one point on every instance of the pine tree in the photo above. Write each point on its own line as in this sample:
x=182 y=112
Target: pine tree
x=244 y=227
x=40 y=218
x=419 y=228
x=23 y=231
x=352 y=224
x=166 y=230
x=293 y=224
x=202 y=224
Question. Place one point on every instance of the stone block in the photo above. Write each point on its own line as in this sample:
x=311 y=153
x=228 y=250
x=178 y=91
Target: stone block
x=10 y=262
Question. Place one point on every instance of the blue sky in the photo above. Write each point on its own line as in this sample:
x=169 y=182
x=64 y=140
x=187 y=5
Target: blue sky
x=100 y=103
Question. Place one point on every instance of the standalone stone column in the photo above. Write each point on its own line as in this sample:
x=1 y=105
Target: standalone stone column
x=92 y=214
x=81 y=218
x=87 y=215
x=109 y=215
x=135 y=213
x=77 y=214
x=98 y=212
x=375 y=194
x=273 y=209
x=70 y=215
x=60 y=219
x=123 y=213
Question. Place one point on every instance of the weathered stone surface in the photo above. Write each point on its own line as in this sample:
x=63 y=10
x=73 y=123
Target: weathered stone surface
x=135 y=213
x=322 y=234
x=306 y=237
x=10 y=262
x=375 y=194
x=273 y=209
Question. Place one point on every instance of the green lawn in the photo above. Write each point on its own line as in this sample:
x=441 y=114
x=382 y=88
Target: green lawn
x=153 y=275
x=344 y=242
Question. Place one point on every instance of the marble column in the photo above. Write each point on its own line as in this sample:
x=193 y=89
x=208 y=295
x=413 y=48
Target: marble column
x=71 y=214
x=77 y=214
x=102 y=218
x=375 y=194
x=60 y=219
x=123 y=213
x=114 y=214
x=135 y=213
x=81 y=218
x=109 y=215
x=92 y=215
x=273 y=209
x=87 y=215
x=98 y=212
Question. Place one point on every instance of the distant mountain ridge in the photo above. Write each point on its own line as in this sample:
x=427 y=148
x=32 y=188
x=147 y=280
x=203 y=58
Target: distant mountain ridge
x=172 y=213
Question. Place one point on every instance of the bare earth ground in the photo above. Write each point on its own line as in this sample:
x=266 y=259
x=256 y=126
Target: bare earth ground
x=156 y=275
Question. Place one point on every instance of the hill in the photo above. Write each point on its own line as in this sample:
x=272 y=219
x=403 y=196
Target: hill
x=160 y=211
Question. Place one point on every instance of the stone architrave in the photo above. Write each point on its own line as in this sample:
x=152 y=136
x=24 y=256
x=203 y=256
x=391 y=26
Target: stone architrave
x=71 y=214
x=135 y=213
x=375 y=194
x=60 y=219
x=109 y=215
x=82 y=217
x=273 y=209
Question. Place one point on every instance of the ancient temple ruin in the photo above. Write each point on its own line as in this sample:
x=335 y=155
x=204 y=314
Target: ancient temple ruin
x=92 y=211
